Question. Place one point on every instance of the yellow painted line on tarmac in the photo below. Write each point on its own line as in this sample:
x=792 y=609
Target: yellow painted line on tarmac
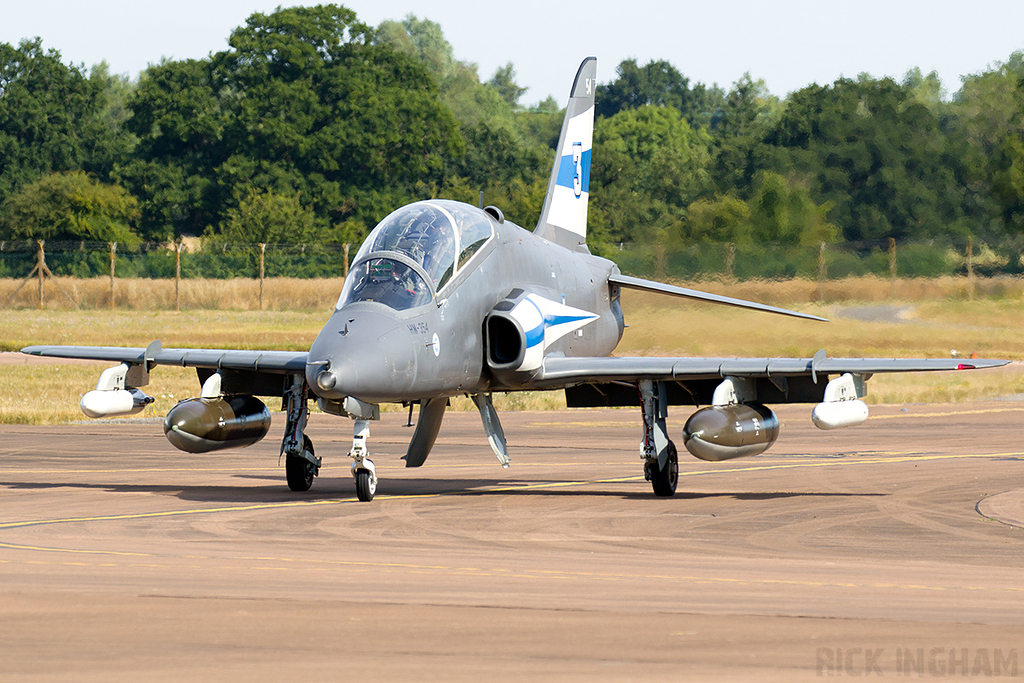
x=145 y=469
x=636 y=422
x=866 y=460
x=339 y=467
x=39 y=548
x=605 y=423
x=307 y=565
x=174 y=513
x=951 y=413
x=869 y=460
x=556 y=484
x=304 y=504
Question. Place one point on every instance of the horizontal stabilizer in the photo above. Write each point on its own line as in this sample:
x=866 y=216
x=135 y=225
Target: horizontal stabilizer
x=652 y=286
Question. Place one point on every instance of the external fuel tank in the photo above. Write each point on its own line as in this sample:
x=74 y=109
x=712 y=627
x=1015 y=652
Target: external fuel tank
x=733 y=431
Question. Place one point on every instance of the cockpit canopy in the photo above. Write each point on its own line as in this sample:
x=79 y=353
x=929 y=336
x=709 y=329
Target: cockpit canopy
x=431 y=240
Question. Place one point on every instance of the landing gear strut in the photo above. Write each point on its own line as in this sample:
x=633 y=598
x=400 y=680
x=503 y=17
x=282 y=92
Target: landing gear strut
x=301 y=463
x=661 y=460
x=363 y=470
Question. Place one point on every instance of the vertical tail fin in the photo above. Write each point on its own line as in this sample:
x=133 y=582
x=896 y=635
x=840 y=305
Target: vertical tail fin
x=564 y=218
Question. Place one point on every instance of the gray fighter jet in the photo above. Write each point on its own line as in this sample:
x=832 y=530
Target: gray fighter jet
x=445 y=298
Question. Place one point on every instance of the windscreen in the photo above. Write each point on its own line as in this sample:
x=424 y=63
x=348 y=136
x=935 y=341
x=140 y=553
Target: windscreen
x=385 y=281
x=423 y=232
x=439 y=235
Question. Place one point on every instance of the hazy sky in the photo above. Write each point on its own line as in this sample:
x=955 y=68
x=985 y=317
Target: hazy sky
x=788 y=43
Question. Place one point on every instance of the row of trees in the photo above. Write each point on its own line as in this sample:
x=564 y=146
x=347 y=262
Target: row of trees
x=312 y=126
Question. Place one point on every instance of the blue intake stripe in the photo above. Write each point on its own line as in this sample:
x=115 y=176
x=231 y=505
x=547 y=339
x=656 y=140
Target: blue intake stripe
x=555 y=320
x=535 y=336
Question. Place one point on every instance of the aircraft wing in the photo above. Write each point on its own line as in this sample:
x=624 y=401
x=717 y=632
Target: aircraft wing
x=277 y=362
x=562 y=371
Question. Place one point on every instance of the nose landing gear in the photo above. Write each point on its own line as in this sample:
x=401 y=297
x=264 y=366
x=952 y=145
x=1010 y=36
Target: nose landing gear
x=363 y=470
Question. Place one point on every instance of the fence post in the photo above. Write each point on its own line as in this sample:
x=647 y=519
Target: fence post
x=730 y=259
x=113 y=248
x=43 y=272
x=970 y=267
x=822 y=272
x=344 y=266
x=263 y=251
x=892 y=267
x=177 y=274
x=41 y=268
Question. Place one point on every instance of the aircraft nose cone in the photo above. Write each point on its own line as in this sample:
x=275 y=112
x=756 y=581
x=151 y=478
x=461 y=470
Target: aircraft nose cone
x=366 y=354
x=324 y=376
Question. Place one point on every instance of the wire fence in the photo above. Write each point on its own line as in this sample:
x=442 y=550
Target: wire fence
x=964 y=256
x=34 y=262
x=187 y=259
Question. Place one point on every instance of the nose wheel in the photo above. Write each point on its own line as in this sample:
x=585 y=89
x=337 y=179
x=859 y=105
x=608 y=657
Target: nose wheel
x=366 y=485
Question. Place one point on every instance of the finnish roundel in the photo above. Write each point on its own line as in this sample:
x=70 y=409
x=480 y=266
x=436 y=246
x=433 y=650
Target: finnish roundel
x=436 y=345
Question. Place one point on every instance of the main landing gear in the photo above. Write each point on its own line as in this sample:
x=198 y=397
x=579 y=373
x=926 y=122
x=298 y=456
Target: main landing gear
x=661 y=460
x=301 y=470
x=301 y=464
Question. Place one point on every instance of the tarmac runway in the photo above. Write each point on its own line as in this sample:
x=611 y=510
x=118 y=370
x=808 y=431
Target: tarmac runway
x=893 y=549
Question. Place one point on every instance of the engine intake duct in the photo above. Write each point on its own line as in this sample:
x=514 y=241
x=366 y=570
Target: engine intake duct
x=505 y=334
x=506 y=342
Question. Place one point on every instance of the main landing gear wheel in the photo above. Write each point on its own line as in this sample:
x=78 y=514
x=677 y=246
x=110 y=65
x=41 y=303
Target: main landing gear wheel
x=366 y=485
x=300 y=471
x=664 y=480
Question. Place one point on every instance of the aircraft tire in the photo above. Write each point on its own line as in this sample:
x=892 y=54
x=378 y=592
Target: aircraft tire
x=365 y=486
x=664 y=480
x=300 y=472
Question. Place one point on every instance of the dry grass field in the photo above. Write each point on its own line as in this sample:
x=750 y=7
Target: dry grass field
x=293 y=294
x=137 y=294
x=869 y=317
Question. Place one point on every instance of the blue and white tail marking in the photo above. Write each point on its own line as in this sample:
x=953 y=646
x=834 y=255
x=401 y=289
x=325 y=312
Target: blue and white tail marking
x=564 y=218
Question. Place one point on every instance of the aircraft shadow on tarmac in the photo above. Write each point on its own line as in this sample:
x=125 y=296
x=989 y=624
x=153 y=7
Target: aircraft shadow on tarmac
x=340 y=489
